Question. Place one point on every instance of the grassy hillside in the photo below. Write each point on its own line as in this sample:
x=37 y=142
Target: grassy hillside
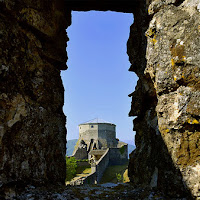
x=112 y=172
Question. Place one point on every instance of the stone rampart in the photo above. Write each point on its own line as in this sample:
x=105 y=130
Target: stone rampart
x=102 y=164
x=91 y=179
x=118 y=156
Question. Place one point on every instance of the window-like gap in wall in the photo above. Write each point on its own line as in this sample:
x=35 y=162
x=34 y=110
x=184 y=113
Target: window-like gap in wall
x=97 y=82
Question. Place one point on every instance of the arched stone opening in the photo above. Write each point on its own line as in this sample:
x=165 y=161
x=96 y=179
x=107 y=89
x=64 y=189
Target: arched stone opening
x=163 y=53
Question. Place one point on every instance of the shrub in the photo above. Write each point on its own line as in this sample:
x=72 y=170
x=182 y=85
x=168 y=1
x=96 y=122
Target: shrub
x=71 y=165
x=119 y=177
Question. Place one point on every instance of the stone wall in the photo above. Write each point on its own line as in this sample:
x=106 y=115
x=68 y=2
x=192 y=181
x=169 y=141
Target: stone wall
x=164 y=51
x=80 y=153
x=97 y=171
x=102 y=164
x=91 y=179
x=32 y=123
x=112 y=156
x=118 y=156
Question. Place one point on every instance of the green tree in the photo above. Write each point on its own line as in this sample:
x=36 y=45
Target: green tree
x=71 y=164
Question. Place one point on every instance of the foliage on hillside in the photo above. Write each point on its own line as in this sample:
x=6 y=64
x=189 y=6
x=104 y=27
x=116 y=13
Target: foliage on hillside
x=76 y=168
x=71 y=165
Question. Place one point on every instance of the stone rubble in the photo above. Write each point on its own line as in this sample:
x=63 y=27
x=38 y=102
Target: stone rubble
x=89 y=192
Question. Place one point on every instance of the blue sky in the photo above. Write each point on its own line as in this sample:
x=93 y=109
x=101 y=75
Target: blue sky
x=97 y=82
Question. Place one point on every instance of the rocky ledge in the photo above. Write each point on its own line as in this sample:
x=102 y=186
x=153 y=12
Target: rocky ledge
x=109 y=191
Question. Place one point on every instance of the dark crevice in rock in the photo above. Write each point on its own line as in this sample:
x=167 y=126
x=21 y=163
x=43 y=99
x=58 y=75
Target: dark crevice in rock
x=178 y=2
x=39 y=35
x=167 y=91
x=61 y=65
x=196 y=117
x=190 y=127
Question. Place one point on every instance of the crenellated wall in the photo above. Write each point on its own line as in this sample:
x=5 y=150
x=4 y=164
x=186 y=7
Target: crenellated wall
x=164 y=52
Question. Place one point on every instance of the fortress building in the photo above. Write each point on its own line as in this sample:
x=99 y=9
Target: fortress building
x=97 y=142
x=98 y=134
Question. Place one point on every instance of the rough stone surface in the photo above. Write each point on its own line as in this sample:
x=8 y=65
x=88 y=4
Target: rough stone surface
x=32 y=123
x=166 y=99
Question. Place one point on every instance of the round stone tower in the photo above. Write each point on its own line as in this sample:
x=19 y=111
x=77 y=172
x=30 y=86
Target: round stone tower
x=98 y=134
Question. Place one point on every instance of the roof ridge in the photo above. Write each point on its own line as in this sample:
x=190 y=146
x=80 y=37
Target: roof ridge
x=97 y=120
